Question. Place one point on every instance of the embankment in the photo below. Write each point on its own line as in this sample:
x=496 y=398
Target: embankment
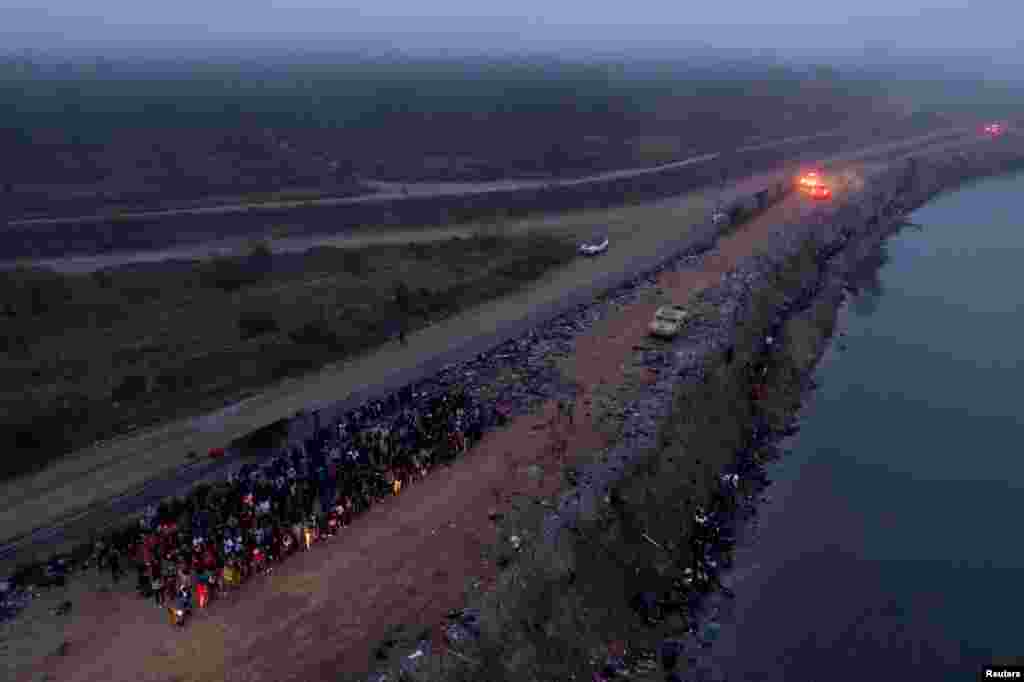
x=725 y=393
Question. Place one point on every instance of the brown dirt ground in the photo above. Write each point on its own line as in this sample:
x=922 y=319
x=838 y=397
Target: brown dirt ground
x=407 y=560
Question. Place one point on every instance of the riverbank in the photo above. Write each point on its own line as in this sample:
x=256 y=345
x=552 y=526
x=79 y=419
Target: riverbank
x=625 y=528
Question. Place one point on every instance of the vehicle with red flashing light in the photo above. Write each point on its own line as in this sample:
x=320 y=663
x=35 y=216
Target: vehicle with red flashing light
x=812 y=183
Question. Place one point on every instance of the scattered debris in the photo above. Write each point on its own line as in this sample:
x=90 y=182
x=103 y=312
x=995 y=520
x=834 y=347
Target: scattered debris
x=648 y=538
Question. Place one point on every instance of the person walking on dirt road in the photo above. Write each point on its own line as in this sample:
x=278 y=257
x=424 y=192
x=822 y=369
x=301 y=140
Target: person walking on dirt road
x=157 y=586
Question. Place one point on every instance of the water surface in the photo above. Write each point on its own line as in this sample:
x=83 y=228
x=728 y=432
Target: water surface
x=892 y=548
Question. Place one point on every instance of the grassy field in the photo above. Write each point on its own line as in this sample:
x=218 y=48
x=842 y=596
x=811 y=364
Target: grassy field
x=84 y=357
x=92 y=134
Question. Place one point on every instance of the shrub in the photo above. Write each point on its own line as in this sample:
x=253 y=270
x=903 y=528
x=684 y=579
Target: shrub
x=131 y=387
x=103 y=279
x=737 y=215
x=418 y=250
x=354 y=263
x=231 y=274
x=296 y=362
x=316 y=333
x=168 y=380
x=261 y=251
x=488 y=241
x=34 y=291
x=402 y=296
x=256 y=323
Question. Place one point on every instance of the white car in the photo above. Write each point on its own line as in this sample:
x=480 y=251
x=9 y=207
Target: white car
x=594 y=247
x=668 y=320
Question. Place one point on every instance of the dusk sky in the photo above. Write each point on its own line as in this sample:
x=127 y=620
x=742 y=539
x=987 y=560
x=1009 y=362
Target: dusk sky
x=991 y=26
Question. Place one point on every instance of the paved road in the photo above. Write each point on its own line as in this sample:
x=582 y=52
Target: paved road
x=226 y=247
x=180 y=481
x=703 y=168
x=394 y=191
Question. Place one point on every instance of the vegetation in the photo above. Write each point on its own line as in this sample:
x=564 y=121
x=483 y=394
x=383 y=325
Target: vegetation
x=84 y=357
x=99 y=133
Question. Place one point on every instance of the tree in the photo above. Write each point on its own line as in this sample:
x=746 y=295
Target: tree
x=131 y=387
x=253 y=323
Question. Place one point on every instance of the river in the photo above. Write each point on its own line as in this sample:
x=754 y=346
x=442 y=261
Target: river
x=891 y=546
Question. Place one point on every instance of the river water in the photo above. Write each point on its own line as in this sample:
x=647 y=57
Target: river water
x=892 y=545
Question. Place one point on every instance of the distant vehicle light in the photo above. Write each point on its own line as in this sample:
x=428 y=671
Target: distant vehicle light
x=809 y=180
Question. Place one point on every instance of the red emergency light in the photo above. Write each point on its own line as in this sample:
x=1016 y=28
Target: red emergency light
x=811 y=183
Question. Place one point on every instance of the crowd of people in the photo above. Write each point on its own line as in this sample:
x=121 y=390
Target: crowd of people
x=188 y=551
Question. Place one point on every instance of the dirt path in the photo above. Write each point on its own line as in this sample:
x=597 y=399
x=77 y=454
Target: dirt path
x=407 y=560
x=227 y=247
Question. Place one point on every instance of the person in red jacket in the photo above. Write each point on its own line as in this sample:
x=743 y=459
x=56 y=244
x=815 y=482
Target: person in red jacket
x=203 y=593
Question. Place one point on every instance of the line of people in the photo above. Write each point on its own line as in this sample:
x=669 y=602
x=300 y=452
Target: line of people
x=187 y=551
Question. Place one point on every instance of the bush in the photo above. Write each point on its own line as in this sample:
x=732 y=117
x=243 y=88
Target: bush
x=34 y=291
x=103 y=279
x=737 y=215
x=261 y=252
x=169 y=381
x=354 y=263
x=419 y=251
x=130 y=388
x=317 y=333
x=488 y=242
x=231 y=274
x=255 y=323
